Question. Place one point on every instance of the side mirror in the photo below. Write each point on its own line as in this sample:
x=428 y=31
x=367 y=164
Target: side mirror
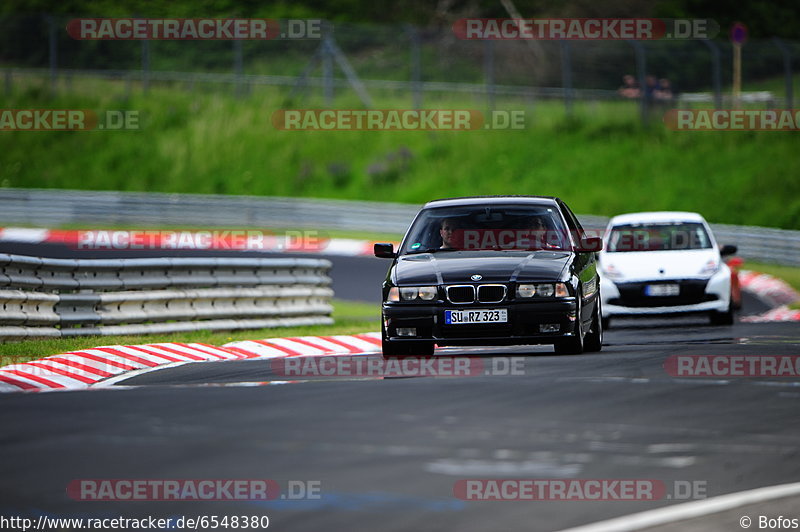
x=728 y=249
x=590 y=244
x=384 y=250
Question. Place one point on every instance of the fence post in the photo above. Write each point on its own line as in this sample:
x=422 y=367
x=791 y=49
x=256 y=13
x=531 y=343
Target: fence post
x=53 y=52
x=416 y=66
x=145 y=65
x=327 y=65
x=349 y=72
x=641 y=73
x=238 y=67
x=716 y=72
x=488 y=72
x=566 y=75
x=787 y=71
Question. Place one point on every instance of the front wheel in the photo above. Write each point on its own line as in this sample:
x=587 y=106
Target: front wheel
x=722 y=318
x=594 y=338
x=572 y=345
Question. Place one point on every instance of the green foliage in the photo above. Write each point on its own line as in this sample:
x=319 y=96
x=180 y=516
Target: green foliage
x=601 y=161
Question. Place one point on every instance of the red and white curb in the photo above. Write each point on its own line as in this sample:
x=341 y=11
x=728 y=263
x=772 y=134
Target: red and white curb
x=783 y=313
x=775 y=292
x=193 y=240
x=101 y=366
x=358 y=344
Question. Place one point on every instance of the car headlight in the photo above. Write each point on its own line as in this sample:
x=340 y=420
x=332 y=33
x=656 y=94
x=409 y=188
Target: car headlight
x=526 y=290
x=711 y=267
x=411 y=293
x=427 y=293
x=542 y=290
x=611 y=272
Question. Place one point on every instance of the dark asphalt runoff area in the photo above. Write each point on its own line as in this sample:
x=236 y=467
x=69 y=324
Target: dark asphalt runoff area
x=386 y=454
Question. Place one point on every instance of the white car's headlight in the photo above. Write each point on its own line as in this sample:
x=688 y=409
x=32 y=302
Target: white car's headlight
x=711 y=267
x=611 y=272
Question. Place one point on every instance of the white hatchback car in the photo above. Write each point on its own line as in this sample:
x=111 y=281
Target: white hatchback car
x=664 y=263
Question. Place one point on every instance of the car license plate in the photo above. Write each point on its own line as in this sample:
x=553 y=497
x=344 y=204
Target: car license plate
x=660 y=290
x=457 y=317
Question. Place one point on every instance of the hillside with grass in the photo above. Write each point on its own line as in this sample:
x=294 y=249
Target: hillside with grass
x=206 y=140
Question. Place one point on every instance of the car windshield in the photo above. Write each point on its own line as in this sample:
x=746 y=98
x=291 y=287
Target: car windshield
x=658 y=237
x=482 y=228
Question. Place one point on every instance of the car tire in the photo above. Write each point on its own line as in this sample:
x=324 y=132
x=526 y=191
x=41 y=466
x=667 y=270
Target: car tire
x=572 y=345
x=593 y=342
x=722 y=318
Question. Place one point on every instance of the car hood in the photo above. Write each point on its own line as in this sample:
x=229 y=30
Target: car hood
x=459 y=267
x=650 y=265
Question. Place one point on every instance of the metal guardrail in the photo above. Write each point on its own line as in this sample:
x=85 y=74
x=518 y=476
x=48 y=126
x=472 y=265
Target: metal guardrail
x=762 y=244
x=86 y=297
x=42 y=207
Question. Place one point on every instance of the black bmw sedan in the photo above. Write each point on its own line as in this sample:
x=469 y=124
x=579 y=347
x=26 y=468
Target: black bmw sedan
x=492 y=270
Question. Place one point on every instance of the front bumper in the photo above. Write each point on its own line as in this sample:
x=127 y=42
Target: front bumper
x=627 y=298
x=524 y=319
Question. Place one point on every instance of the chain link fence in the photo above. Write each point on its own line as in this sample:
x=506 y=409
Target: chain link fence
x=398 y=64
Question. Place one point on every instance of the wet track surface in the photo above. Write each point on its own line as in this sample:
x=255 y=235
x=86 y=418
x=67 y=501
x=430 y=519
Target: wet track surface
x=388 y=452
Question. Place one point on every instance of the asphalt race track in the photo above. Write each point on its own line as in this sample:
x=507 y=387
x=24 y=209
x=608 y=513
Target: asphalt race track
x=388 y=452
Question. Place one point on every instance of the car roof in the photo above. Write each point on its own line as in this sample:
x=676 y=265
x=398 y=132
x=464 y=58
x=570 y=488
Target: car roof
x=491 y=200
x=657 y=216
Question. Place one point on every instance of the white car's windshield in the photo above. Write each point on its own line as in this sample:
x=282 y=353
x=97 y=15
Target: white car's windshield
x=481 y=228
x=658 y=237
